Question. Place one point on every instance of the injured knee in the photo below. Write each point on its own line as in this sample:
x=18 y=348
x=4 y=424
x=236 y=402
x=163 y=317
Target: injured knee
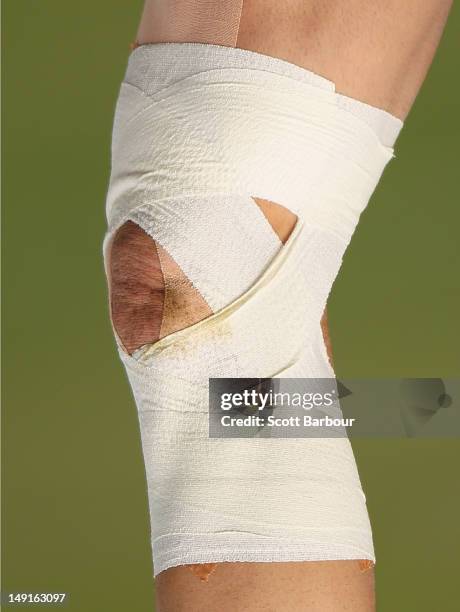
x=151 y=297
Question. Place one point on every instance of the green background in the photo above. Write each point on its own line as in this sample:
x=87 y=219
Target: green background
x=75 y=515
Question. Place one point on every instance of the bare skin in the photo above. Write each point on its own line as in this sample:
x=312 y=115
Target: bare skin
x=379 y=53
x=322 y=586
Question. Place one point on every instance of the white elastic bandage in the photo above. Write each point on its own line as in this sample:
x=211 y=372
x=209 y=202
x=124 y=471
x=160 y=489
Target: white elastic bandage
x=199 y=131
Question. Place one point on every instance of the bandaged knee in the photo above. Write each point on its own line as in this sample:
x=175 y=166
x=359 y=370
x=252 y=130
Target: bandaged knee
x=200 y=131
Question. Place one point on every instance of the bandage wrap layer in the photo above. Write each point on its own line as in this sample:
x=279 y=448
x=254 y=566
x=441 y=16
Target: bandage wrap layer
x=199 y=131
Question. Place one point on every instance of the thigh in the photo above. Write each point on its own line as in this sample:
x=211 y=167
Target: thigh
x=377 y=52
